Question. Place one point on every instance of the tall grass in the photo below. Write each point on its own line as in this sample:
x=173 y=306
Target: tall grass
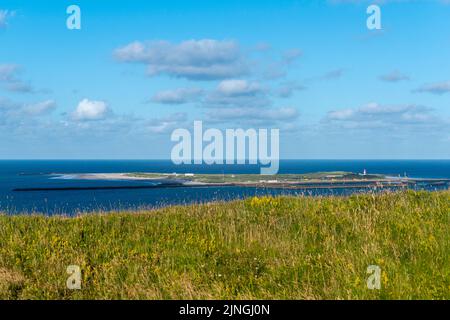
x=259 y=248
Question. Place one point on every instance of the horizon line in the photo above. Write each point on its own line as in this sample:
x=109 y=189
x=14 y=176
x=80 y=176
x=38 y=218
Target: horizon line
x=281 y=159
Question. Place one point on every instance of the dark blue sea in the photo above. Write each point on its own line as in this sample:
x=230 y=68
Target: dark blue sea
x=46 y=174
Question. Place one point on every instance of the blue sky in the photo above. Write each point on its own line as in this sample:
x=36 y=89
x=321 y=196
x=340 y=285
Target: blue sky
x=137 y=70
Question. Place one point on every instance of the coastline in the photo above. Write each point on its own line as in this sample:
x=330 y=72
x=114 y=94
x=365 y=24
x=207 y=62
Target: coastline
x=71 y=187
x=300 y=181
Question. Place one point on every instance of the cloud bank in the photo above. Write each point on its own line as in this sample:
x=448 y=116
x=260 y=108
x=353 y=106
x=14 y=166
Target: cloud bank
x=204 y=59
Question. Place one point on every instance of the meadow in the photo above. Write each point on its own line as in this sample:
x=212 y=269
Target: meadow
x=258 y=248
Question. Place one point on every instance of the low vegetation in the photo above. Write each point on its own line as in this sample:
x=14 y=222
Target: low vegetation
x=259 y=248
x=255 y=178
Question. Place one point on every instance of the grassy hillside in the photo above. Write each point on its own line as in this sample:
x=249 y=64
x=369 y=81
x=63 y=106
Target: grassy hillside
x=268 y=248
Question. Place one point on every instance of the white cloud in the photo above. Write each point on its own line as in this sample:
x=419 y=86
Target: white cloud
x=40 y=108
x=8 y=71
x=177 y=96
x=204 y=59
x=272 y=70
x=287 y=113
x=438 y=88
x=291 y=55
x=333 y=74
x=238 y=87
x=394 y=76
x=330 y=75
x=9 y=75
x=374 y=115
x=14 y=114
x=271 y=117
x=263 y=47
x=18 y=86
x=90 y=110
x=4 y=16
x=341 y=114
x=167 y=123
x=288 y=88
x=237 y=93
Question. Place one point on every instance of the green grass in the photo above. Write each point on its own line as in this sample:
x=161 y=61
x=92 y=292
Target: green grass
x=260 y=248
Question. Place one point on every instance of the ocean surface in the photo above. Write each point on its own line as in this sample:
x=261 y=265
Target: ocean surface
x=57 y=173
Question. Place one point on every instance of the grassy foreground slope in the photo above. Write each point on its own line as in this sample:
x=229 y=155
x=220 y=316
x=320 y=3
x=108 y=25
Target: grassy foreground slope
x=283 y=248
